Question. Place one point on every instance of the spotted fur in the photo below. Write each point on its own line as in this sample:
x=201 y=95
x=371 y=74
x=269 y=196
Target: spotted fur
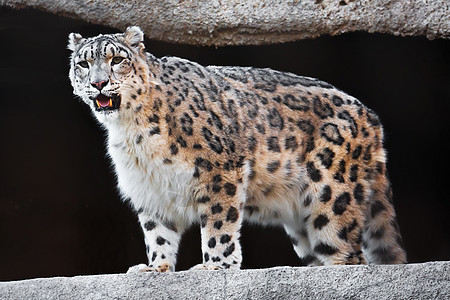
x=217 y=145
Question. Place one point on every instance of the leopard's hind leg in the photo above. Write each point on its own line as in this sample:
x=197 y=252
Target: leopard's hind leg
x=331 y=224
x=299 y=238
x=382 y=242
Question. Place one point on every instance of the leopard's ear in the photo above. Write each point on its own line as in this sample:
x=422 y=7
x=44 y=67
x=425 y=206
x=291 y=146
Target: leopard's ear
x=134 y=37
x=74 y=41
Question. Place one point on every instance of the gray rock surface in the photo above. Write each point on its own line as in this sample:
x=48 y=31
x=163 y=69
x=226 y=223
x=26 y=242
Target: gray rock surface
x=231 y=22
x=413 y=281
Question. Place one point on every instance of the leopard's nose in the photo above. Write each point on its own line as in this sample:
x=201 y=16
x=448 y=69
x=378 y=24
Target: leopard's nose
x=100 y=85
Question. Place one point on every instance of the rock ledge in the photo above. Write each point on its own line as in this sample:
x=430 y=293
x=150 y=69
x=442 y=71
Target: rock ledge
x=413 y=281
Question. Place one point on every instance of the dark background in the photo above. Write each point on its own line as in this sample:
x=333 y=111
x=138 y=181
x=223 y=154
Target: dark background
x=60 y=214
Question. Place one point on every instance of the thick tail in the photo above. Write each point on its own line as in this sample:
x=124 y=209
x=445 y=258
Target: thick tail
x=382 y=242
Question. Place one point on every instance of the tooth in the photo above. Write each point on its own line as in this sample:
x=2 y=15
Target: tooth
x=110 y=103
x=98 y=104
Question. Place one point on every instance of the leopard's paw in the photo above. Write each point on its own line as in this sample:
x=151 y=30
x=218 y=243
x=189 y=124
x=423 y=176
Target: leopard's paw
x=205 y=267
x=222 y=266
x=162 y=268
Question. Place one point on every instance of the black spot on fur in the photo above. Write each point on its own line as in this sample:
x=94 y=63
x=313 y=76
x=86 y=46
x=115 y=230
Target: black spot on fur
x=325 y=196
x=341 y=202
x=153 y=119
x=216 y=188
x=322 y=110
x=139 y=139
x=342 y=234
x=218 y=224
x=275 y=119
x=272 y=144
x=212 y=140
x=251 y=142
x=358 y=193
x=181 y=141
x=357 y=152
x=196 y=173
x=206 y=257
x=321 y=221
x=353 y=173
x=229 y=165
x=167 y=161
x=203 y=199
x=149 y=225
x=306 y=126
x=229 y=250
x=331 y=133
x=367 y=153
x=217 y=178
x=338 y=177
x=216 y=120
x=203 y=220
x=154 y=131
x=225 y=238
x=325 y=249
x=232 y=214
x=216 y=208
x=307 y=200
x=310 y=145
x=373 y=118
x=326 y=157
x=290 y=143
x=301 y=103
x=212 y=242
x=376 y=208
x=352 y=226
x=345 y=115
x=260 y=128
x=273 y=166
x=170 y=225
x=342 y=166
x=203 y=163
x=160 y=240
x=186 y=124
x=313 y=172
x=230 y=189
x=337 y=100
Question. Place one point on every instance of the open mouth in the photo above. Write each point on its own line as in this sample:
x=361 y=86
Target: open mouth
x=104 y=103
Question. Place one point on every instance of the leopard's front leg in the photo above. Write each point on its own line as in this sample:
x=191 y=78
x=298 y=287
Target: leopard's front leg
x=162 y=238
x=220 y=205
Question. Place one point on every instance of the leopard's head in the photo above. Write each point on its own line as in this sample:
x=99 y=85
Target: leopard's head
x=106 y=69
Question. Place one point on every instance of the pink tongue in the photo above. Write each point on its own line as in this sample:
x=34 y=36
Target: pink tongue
x=103 y=103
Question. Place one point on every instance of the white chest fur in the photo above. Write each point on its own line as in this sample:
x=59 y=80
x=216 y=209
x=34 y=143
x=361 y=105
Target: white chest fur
x=150 y=184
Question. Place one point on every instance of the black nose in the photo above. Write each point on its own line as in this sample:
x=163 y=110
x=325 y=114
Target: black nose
x=100 y=85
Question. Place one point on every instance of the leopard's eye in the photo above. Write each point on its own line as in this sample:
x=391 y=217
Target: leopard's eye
x=116 y=60
x=84 y=64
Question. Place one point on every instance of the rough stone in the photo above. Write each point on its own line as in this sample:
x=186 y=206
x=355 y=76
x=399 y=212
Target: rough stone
x=230 y=22
x=412 y=281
